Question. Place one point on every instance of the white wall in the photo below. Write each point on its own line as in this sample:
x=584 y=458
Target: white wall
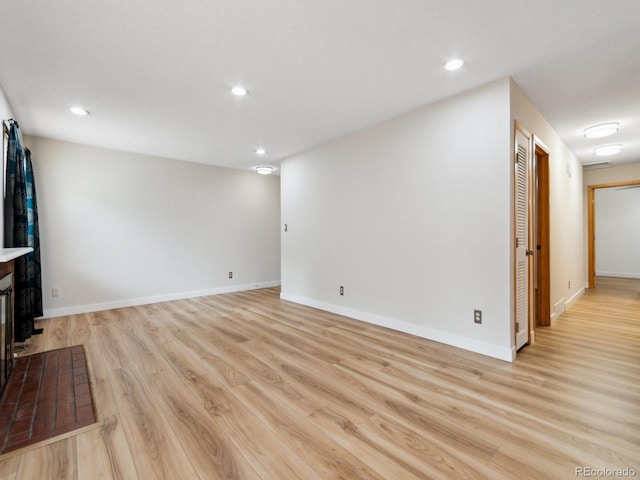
x=121 y=229
x=566 y=206
x=5 y=114
x=5 y=109
x=621 y=173
x=617 y=212
x=413 y=218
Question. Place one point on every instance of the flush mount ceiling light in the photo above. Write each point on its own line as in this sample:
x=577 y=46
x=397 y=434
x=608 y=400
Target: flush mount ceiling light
x=264 y=170
x=602 y=130
x=261 y=151
x=606 y=150
x=454 y=64
x=239 y=91
x=79 y=111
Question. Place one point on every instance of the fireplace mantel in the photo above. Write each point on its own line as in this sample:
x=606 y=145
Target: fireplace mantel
x=7 y=266
x=8 y=254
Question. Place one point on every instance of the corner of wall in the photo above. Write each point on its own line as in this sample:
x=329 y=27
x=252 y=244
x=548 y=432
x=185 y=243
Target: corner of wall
x=5 y=113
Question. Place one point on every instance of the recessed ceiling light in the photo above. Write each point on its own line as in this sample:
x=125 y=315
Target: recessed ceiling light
x=79 y=111
x=602 y=130
x=606 y=150
x=239 y=91
x=264 y=170
x=261 y=151
x=454 y=64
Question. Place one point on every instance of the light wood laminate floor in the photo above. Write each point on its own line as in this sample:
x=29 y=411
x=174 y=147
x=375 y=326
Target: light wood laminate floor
x=247 y=386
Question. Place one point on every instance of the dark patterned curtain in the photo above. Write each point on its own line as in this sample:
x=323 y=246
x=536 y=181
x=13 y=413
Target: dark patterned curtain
x=21 y=230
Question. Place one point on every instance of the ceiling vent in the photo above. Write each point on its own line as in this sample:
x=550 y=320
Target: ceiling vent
x=595 y=165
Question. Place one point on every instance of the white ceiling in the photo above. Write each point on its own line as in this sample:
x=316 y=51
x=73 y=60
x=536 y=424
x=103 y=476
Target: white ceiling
x=156 y=74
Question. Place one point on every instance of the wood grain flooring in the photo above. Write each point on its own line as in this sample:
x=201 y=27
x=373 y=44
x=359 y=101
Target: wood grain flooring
x=246 y=386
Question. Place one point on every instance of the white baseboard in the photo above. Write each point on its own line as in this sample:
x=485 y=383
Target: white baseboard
x=502 y=353
x=618 y=274
x=558 y=309
x=574 y=297
x=561 y=306
x=132 y=302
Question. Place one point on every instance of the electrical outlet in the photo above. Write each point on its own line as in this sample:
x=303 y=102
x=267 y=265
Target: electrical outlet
x=286 y=227
x=230 y=274
x=477 y=316
x=569 y=284
x=341 y=290
x=55 y=292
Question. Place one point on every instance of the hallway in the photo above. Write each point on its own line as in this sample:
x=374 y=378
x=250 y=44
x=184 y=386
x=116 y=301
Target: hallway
x=590 y=363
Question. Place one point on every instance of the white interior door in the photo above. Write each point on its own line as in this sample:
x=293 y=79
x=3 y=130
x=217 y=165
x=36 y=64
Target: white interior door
x=523 y=252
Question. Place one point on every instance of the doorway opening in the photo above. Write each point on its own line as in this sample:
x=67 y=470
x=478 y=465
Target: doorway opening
x=591 y=223
x=542 y=257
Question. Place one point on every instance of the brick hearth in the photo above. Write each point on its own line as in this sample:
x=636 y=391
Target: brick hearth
x=47 y=395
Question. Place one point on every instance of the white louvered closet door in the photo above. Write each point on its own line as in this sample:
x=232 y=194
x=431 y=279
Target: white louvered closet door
x=522 y=163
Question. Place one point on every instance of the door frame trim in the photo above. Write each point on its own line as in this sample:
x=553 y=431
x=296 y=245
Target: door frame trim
x=591 y=223
x=542 y=209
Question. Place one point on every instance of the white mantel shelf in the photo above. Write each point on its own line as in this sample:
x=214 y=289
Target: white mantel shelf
x=8 y=254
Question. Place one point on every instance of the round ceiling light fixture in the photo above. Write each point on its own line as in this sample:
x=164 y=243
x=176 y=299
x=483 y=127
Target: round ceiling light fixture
x=606 y=150
x=602 y=130
x=239 y=91
x=454 y=64
x=79 y=111
x=264 y=170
